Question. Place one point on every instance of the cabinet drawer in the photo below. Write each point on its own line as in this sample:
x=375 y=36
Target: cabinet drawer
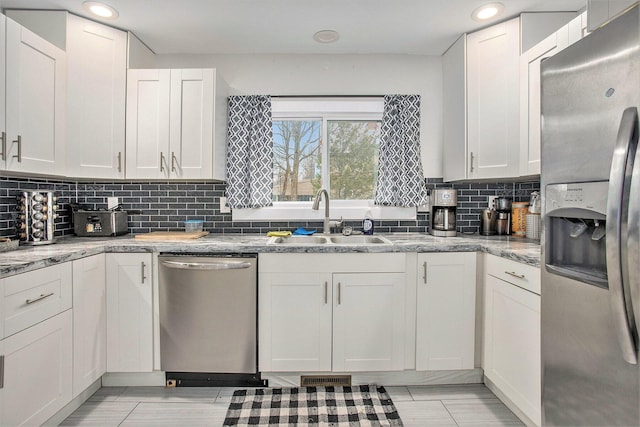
x=32 y=297
x=516 y=273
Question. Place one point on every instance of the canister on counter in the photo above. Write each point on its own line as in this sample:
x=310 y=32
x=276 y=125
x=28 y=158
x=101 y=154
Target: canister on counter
x=519 y=212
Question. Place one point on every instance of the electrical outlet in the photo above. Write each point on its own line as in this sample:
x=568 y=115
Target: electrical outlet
x=492 y=201
x=224 y=208
x=112 y=202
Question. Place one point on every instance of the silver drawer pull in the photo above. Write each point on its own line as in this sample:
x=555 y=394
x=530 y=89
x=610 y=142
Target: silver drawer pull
x=41 y=297
x=514 y=274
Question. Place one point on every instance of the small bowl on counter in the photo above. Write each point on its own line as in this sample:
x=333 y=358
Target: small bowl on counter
x=193 y=225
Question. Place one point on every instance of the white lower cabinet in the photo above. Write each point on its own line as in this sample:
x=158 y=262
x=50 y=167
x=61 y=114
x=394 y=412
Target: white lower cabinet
x=446 y=295
x=331 y=312
x=512 y=333
x=129 y=312
x=89 y=322
x=37 y=372
x=368 y=322
x=295 y=318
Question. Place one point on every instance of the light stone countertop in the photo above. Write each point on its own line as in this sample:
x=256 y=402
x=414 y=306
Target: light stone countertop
x=28 y=258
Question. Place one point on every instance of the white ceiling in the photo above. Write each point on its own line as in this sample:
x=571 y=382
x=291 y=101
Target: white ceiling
x=425 y=27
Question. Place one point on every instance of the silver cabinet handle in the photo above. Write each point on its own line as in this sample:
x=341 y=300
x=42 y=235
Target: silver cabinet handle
x=161 y=161
x=471 y=162
x=621 y=153
x=339 y=293
x=326 y=292
x=142 y=266
x=19 y=155
x=424 y=275
x=173 y=161
x=3 y=155
x=40 y=298
x=2 y=371
x=514 y=274
x=119 y=161
x=220 y=265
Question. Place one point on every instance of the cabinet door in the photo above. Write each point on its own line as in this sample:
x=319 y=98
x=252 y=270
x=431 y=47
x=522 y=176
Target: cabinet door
x=3 y=134
x=89 y=321
x=37 y=372
x=454 y=165
x=96 y=86
x=148 y=124
x=445 y=330
x=191 y=126
x=129 y=313
x=512 y=344
x=295 y=322
x=368 y=322
x=493 y=101
x=36 y=94
x=530 y=98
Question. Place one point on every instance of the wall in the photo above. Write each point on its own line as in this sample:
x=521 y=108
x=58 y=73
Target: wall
x=166 y=205
x=336 y=75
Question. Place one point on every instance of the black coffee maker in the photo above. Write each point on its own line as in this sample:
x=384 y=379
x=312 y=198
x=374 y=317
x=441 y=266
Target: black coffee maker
x=503 y=221
x=443 y=202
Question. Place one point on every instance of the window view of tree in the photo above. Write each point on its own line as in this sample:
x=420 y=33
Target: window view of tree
x=353 y=158
x=296 y=159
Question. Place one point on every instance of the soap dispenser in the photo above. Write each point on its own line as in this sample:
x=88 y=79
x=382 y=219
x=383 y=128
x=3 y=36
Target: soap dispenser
x=367 y=223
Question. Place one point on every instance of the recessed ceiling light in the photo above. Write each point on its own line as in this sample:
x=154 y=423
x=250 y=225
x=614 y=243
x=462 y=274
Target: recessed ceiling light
x=487 y=11
x=326 y=36
x=100 y=10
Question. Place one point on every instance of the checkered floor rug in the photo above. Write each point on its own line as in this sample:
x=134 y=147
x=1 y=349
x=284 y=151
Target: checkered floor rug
x=365 y=405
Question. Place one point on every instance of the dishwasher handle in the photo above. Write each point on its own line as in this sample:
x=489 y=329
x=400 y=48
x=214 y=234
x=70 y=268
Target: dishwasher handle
x=216 y=265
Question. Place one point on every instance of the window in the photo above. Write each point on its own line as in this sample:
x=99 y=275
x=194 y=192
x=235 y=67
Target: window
x=330 y=143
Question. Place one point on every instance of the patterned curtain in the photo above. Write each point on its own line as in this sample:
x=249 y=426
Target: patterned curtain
x=249 y=152
x=400 y=176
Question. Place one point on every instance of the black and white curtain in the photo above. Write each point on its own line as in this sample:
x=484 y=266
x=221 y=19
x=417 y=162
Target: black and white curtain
x=249 y=152
x=400 y=177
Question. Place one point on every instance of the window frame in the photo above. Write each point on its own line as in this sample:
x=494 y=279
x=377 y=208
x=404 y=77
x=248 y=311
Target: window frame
x=327 y=109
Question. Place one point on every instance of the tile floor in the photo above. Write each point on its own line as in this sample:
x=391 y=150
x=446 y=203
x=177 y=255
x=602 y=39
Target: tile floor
x=419 y=406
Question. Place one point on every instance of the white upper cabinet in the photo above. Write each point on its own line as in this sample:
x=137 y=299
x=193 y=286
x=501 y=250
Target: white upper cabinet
x=3 y=134
x=493 y=101
x=176 y=124
x=530 y=98
x=481 y=110
x=530 y=90
x=602 y=11
x=96 y=85
x=35 y=103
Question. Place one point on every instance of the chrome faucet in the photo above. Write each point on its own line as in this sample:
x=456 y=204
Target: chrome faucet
x=328 y=223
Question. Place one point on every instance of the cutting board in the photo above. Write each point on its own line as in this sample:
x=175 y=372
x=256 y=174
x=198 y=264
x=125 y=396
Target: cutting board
x=171 y=235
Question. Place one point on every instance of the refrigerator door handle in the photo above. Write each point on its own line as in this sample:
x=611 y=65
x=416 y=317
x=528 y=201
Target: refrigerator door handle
x=614 y=218
x=633 y=238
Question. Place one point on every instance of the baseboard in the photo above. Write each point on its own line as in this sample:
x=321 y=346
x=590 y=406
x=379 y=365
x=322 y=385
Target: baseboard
x=508 y=403
x=132 y=379
x=70 y=407
x=399 y=378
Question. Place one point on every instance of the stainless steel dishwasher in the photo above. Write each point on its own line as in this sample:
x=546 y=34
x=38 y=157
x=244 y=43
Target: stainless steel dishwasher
x=208 y=326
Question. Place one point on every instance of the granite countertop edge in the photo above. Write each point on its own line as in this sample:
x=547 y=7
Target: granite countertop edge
x=66 y=249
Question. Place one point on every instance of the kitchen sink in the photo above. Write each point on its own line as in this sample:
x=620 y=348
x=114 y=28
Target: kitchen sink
x=300 y=240
x=358 y=240
x=328 y=240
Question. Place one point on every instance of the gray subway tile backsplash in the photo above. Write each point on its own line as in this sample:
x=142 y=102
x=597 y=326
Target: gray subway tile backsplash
x=165 y=205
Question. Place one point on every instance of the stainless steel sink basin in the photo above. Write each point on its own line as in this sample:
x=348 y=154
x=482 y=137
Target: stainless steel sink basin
x=300 y=240
x=358 y=240
x=328 y=240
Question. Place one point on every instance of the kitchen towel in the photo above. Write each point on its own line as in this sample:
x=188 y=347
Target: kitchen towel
x=364 y=405
x=400 y=179
x=249 y=152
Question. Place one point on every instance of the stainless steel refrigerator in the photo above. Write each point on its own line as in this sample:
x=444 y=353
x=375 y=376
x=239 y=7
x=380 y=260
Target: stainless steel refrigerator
x=590 y=179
